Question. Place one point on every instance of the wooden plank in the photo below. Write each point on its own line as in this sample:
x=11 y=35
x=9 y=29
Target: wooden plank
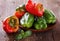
x=41 y=36
x=45 y=36
x=56 y=32
x=56 y=36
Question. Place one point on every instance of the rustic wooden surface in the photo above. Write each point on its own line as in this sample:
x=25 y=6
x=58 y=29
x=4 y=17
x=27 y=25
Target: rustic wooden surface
x=7 y=8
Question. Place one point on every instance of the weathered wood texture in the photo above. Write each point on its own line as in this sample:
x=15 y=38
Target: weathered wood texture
x=7 y=8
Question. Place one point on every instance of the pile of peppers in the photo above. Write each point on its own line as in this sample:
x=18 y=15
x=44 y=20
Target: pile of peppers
x=29 y=15
x=11 y=24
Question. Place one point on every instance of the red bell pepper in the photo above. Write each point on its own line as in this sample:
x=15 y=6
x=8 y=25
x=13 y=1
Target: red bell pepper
x=11 y=24
x=35 y=9
x=19 y=14
x=20 y=11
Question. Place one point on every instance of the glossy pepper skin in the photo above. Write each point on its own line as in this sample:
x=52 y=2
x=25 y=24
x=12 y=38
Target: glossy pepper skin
x=23 y=34
x=11 y=24
x=27 y=20
x=49 y=16
x=20 y=11
x=35 y=9
x=40 y=23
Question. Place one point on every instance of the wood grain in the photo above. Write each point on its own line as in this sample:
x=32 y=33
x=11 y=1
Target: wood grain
x=7 y=8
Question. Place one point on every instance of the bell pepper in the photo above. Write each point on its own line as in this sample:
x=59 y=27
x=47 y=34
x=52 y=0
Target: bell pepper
x=20 y=11
x=27 y=33
x=35 y=9
x=27 y=20
x=49 y=16
x=40 y=23
x=23 y=34
x=11 y=24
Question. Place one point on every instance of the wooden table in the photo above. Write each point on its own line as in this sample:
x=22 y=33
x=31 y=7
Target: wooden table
x=7 y=8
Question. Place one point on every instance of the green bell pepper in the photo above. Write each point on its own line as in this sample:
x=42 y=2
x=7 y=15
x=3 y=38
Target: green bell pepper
x=40 y=23
x=49 y=16
x=27 y=33
x=23 y=34
x=27 y=20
